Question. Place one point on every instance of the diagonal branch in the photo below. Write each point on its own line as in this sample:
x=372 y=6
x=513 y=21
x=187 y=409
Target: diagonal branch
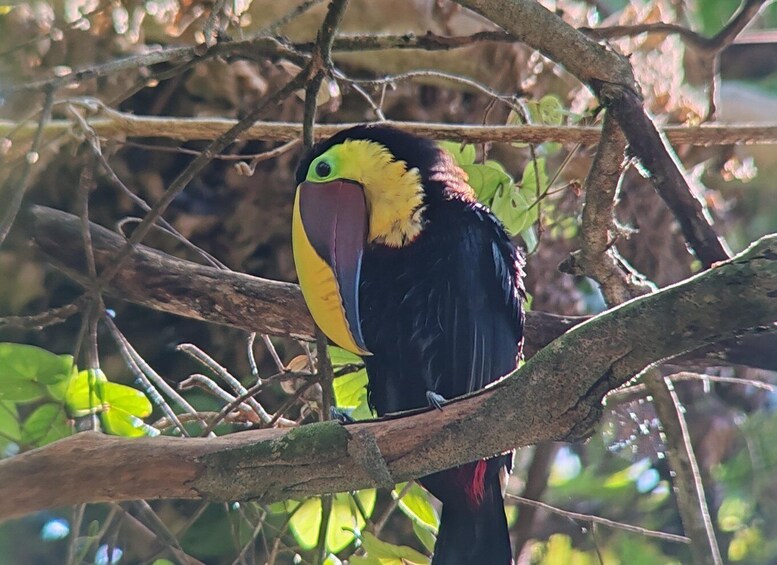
x=532 y=406
x=610 y=77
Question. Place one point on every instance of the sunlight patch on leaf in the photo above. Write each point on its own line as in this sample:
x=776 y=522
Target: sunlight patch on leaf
x=415 y=504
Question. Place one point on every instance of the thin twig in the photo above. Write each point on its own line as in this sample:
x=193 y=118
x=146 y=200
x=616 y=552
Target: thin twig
x=689 y=490
x=686 y=376
x=209 y=385
x=326 y=515
x=253 y=158
x=94 y=143
x=273 y=353
x=191 y=170
x=211 y=28
x=75 y=530
x=47 y=318
x=141 y=370
x=16 y=186
x=536 y=482
x=591 y=519
x=325 y=374
x=206 y=360
x=389 y=510
x=250 y=339
x=287 y=17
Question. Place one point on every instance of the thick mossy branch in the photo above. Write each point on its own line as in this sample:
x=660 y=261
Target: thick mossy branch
x=555 y=396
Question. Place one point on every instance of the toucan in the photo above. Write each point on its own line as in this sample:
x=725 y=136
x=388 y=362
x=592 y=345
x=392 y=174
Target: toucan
x=400 y=264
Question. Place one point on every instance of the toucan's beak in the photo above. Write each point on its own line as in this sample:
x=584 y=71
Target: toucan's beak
x=334 y=217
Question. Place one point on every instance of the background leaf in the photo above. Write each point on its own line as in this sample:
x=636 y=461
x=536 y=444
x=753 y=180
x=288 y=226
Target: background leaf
x=30 y=363
x=351 y=389
x=390 y=554
x=463 y=154
x=9 y=421
x=415 y=504
x=47 y=423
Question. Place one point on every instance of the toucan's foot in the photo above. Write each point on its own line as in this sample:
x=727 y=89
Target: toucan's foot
x=435 y=400
x=340 y=415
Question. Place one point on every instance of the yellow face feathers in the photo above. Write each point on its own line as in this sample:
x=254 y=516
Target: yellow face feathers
x=394 y=194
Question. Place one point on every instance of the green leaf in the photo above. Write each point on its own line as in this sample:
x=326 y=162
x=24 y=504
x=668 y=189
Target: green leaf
x=59 y=390
x=551 y=111
x=121 y=423
x=47 y=423
x=306 y=522
x=427 y=538
x=514 y=207
x=84 y=394
x=19 y=361
x=514 y=210
x=162 y=562
x=9 y=421
x=362 y=411
x=486 y=180
x=339 y=356
x=345 y=520
x=529 y=236
x=529 y=180
x=415 y=504
x=390 y=554
x=127 y=399
x=121 y=408
x=463 y=154
x=20 y=391
x=559 y=550
x=351 y=389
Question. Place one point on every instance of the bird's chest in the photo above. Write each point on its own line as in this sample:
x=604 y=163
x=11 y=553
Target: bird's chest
x=402 y=298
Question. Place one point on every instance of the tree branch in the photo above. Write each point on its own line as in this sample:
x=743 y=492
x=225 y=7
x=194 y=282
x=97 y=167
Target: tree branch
x=609 y=75
x=598 y=257
x=110 y=123
x=532 y=406
x=162 y=282
x=689 y=490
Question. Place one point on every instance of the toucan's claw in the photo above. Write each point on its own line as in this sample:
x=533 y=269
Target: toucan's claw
x=340 y=415
x=435 y=400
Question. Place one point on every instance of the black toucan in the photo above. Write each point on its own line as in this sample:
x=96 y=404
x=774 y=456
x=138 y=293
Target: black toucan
x=400 y=264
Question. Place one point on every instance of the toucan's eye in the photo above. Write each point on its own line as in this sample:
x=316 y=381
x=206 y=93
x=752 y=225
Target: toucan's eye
x=323 y=169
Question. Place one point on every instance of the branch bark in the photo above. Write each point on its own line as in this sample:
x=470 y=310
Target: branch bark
x=168 y=284
x=110 y=123
x=609 y=75
x=598 y=257
x=556 y=395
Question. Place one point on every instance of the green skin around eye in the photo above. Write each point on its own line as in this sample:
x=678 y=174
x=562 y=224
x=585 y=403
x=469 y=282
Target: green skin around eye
x=330 y=160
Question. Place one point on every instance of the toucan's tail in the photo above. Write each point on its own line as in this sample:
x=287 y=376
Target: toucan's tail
x=473 y=526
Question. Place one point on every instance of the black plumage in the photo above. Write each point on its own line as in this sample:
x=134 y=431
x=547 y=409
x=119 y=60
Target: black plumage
x=443 y=314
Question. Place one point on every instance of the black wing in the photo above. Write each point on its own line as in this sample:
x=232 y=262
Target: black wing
x=444 y=313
